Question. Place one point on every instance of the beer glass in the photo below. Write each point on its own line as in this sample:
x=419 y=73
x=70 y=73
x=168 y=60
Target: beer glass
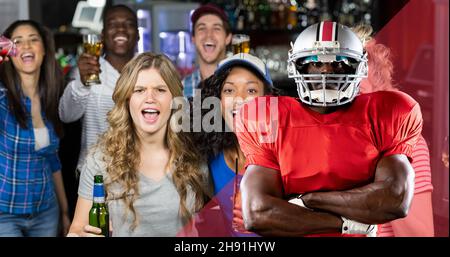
x=240 y=43
x=7 y=47
x=92 y=45
x=237 y=223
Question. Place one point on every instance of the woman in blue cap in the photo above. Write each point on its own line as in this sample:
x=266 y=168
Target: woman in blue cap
x=237 y=80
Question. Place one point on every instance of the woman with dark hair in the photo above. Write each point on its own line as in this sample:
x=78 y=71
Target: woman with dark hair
x=32 y=192
x=237 y=79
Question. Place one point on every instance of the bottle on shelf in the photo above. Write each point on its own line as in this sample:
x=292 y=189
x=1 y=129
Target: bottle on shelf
x=344 y=13
x=241 y=15
x=292 y=19
x=251 y=15
x=313 y=12
x=302 y=14
x=281 y=15
x=325 y=11
x=273 y=24
x=366 y=11
x=229 y=9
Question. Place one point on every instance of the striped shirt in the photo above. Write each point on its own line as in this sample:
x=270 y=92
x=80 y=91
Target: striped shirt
x=422 y=183
x=91 y=104
x=190 y=83
x=26 y=181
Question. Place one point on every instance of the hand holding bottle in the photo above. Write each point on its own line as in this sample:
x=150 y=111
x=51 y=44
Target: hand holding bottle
x=98 y=215
x=92 y=216
x=88 y=231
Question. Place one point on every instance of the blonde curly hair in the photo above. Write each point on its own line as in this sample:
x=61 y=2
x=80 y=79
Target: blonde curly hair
x=120 y=144
x=379 y=62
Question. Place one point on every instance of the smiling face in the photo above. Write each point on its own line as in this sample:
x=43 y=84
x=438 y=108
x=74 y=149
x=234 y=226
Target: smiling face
x=30 y=49
x=120 y=33
x=210 y=39
x=239 y=87
x=150 y=103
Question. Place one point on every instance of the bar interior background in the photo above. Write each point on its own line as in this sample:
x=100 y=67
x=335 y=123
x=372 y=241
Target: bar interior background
x=164 y=27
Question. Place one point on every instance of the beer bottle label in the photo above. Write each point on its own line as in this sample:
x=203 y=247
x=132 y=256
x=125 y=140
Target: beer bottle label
x=99 y=193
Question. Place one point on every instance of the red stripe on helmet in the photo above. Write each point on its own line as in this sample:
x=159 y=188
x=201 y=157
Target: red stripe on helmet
x=327 y=31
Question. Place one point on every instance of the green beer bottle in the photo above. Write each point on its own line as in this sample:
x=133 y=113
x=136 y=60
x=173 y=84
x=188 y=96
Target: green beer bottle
x=98 y=215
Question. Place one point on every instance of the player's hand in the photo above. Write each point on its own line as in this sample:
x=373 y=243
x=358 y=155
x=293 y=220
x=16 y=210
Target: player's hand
x=88 y=65
x=352 y=227
x=298 y=200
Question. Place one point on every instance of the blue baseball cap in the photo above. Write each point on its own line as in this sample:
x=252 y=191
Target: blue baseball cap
x=248 y=61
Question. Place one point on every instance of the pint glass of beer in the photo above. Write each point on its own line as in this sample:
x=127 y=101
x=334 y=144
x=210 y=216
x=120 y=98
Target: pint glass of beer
x=7 y=47
x=92 y=45
x=237 y=222
x=240 y=43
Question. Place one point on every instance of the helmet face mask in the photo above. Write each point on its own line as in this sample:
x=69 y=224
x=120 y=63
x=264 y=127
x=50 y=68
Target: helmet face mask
x=344 y=55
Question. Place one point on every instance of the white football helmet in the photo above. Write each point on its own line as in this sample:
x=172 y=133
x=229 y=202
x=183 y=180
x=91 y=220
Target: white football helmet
x=327 y=42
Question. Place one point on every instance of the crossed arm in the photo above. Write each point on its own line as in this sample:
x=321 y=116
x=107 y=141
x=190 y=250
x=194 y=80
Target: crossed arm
x=266 y=213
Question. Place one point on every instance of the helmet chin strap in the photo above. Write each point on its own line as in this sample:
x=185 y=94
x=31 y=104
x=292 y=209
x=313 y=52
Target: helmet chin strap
x=330 y=95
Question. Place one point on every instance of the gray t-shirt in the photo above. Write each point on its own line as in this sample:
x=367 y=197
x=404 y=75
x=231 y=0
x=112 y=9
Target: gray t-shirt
x=157 y=206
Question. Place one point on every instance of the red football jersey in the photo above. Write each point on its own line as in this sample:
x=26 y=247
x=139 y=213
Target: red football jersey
x=327 y=152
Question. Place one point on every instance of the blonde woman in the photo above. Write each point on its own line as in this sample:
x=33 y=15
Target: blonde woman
x=419 y=222
x=154 y=179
